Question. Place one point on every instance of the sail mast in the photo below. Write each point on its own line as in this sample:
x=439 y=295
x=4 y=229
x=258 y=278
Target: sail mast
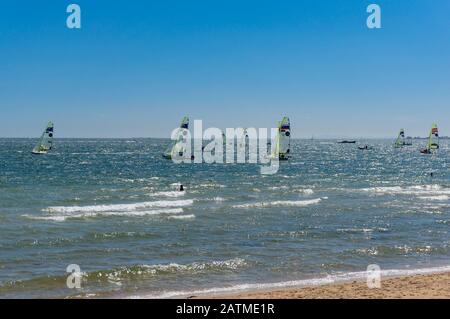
x=276 y=151
x=430 y=139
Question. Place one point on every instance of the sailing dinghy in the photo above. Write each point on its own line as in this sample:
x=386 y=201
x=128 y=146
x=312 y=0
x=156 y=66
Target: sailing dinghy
x=433 y=141
x=401 y=140
x=45 y=143
x=177 y=149
x=283 y=140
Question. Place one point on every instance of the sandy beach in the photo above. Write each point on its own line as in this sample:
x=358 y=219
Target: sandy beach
x=433 y=286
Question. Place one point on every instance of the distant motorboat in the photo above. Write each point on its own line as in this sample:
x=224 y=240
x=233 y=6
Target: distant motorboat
x=346 y=142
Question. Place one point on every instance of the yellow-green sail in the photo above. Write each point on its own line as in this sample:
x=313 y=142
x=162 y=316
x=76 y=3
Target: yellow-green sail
x=433 y=140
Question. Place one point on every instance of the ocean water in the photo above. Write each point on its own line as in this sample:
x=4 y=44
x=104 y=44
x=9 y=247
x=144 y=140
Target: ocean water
x=110 y=207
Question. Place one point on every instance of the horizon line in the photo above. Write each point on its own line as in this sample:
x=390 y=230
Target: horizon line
x=168 y=138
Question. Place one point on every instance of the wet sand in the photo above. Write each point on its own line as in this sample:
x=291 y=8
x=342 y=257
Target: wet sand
x=432 y=286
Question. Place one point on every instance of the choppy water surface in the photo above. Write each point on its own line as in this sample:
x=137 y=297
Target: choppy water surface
x=110 y=207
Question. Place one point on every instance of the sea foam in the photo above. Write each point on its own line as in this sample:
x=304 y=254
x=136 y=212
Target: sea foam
x=329 y=279
x=168 y=194
x=190 y=216
x=296 y=203
x=65 y=215
x=118 y=207
x=416 y=190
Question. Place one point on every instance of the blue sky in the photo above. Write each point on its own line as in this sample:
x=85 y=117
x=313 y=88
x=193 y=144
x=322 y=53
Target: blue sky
x=136 y=67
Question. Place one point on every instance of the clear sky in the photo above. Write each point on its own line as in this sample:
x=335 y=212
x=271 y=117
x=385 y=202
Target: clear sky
x=136 y=67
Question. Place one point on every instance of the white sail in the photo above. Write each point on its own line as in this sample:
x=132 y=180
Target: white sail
x=283 y=140
x=45 y=143
x=244 y=138
x=400 y=139
x=176 y=148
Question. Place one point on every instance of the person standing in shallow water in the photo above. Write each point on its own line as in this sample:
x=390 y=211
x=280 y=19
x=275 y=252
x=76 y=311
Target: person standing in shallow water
x=181 y=188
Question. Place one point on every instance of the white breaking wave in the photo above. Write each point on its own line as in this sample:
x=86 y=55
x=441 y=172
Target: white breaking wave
x=231 y=264
x=196 y=267
x=63 y=217
x=298 y=203
x=191 y=216
x=307 y=191
x=169 y=194
x=418 y=190
x=278 y=187
x=330 y=279
x=362 y=230
x=118 y=207
x=439 y=197
x=216 y=199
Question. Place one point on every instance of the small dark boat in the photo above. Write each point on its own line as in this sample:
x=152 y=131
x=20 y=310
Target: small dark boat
x=347 y=142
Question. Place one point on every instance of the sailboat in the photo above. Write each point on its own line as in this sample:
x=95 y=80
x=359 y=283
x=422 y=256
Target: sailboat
x=244 y=137
x=433 y=141
x=175 y=149
x=283 y=140
x=400 y=139
x=45 y=143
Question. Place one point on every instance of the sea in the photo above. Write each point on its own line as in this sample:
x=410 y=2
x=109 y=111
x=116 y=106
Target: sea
x=111 y=209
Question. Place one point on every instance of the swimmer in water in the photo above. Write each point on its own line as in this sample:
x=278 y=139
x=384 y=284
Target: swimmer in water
x=181 y=188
